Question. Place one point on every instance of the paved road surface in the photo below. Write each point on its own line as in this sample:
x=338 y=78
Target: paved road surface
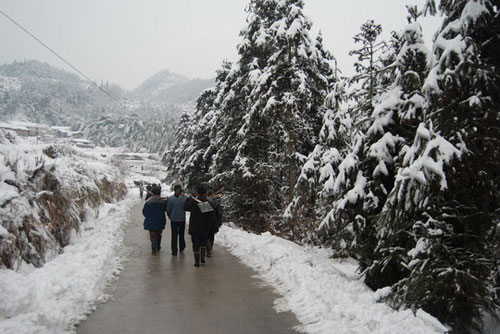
x=167 y=294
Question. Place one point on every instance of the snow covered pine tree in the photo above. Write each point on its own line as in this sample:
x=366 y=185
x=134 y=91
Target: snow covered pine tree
x=271 y=113
x=447 y=194
x=392 y=130
x=346 y=186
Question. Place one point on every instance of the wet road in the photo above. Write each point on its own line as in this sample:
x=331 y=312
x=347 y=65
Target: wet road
x=167 y=294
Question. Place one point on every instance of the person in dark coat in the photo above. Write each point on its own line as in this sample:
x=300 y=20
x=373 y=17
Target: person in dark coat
x=177 y=216
x=155 y=221
x=215 y=202
x=148 y=192
x=201 y=221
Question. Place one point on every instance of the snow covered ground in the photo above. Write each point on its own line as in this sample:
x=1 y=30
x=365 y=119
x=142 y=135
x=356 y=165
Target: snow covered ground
x=54 y=297
x=326 y=295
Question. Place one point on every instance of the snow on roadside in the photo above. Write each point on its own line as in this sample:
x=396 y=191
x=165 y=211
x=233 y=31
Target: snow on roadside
x=53 y=298
x=325 y=295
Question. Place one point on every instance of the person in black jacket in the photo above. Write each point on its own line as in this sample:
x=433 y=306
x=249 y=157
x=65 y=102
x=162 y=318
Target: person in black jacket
x=154 y=211
x=201 y=221
x=148 y=192
x=215 y=202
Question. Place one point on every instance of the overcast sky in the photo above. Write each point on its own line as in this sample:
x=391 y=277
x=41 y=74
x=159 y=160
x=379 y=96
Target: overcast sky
x=126 y=41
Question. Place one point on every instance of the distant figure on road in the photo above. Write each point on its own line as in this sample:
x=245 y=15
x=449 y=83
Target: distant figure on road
x=177 y=215
x=149 y=189
x=154 y=213
x=201 y=221
x=215 y=202
x=141 y=189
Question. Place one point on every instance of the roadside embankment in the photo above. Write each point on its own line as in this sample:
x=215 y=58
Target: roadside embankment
x=46 y=192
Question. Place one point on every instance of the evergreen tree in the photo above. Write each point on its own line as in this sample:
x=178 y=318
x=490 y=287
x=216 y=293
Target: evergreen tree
x=175 y=155
x=285 y=113
x=312 y=190
x=366 y=175
x=268 y=111
x=233 y=104
x=190 y=158
x=393 y=128
x=198 y=156
x=447 y=194
x=368 y=68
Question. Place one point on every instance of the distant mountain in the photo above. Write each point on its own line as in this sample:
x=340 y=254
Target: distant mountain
x=159 y=82
x=142 y=120
x=35 y=68
x=168 y=87
x=38 y=92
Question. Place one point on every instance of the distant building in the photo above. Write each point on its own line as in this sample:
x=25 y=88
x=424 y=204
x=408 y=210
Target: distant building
x=20 y=130
x=84 y=143
x=65 y=132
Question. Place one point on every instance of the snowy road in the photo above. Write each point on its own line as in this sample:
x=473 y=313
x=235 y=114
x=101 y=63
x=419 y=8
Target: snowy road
x=166 y=294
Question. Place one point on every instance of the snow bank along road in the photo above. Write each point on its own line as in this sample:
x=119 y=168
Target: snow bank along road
x=51 y=299
x=325 y=295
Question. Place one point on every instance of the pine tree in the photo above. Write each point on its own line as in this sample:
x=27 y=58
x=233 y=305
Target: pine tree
x=393 y=128
x=228 y=106
x=313 y=187
x=256 y=135
x=284 y=114
x=195 y=167
x=447 y=192
x=368 y=68
x=190 y=157
x=175 y=155
x=233 y=104
x=365 y=177
x=344 y=191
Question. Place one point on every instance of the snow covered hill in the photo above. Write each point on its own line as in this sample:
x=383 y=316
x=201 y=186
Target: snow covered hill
x=46 y=192
x=33 y=68
x=36 y=92
x=168 y=87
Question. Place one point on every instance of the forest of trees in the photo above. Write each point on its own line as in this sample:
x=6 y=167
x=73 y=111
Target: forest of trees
x=397 y=166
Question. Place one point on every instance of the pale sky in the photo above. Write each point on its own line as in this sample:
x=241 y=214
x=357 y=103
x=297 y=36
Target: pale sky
x=127 y=41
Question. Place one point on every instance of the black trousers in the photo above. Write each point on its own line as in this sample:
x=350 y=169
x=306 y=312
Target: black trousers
x=178 y=228
x=198 y=241
x=210 y=243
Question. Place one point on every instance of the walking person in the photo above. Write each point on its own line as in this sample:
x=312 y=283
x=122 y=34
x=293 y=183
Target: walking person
x=149 y=192
x=141 y=189
x=215 y=202
x=177 y=216
x=202 y=219
x=155 y=221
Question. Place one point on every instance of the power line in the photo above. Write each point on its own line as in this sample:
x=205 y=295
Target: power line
x=58 y=56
